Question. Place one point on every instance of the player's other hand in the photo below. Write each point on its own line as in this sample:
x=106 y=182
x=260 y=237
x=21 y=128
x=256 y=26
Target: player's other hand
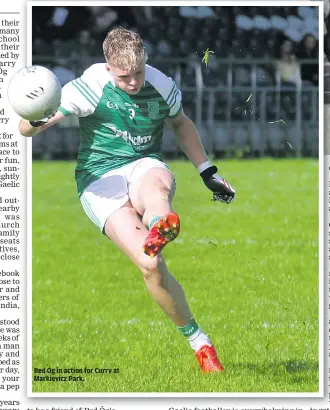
x=222 y=190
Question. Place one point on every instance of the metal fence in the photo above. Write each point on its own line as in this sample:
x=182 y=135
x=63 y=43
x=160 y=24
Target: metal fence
x=240 y=107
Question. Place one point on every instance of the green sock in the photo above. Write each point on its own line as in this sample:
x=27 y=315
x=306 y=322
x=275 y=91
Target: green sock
x=153 y=221
x=190 y=328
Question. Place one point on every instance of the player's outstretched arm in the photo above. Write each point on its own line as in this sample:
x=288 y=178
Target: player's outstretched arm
x=26 y=129
x=188 y=138
x=189 y=141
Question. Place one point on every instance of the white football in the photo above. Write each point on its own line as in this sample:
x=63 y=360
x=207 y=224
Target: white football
x=34 y=93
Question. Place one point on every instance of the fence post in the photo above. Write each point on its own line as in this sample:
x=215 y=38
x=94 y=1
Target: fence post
x=210 y=121
x=263 y=121
x=298 y=118
x=199 y=94
x=253 y=103
x=278 y=95
x=229 y=100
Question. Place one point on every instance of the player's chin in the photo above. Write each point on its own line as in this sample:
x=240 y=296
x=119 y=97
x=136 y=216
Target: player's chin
x=133 y=91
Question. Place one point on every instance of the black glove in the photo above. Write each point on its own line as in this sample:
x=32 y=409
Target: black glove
x=38 y=123
x=43 y=121
x=222 y=190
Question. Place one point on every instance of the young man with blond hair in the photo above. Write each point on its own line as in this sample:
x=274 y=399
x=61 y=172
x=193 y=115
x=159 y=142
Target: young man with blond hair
x=124 y=186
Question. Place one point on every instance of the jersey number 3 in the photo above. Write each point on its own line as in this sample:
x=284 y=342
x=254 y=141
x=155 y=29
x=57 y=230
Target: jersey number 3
x=131 y=113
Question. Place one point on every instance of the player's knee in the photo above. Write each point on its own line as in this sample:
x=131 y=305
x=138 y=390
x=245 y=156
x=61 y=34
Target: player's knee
x=162 y=179
x=163 y=186
x=152 y=269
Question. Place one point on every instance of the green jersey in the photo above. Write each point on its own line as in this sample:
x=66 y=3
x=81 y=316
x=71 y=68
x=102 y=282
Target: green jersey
x=117 y=128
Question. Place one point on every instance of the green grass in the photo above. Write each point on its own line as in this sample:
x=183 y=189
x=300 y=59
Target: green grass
x=249 y=270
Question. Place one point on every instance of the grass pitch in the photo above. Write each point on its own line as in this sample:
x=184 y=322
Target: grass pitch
x=249 y=270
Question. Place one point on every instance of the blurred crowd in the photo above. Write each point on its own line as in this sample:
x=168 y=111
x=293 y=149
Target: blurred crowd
x=288 y=66
x=73 y=35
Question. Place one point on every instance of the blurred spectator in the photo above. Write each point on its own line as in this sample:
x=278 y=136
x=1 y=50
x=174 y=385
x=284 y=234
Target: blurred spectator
x=164 y=48
x=74 y=56
x=84 y=47
x=63 y=68
x=43 y=50
x=103 y=17
x=66 y=21
x=151 y=41
x=287 y=67
x=308 y=50
x=144 y=15
x=51 y=23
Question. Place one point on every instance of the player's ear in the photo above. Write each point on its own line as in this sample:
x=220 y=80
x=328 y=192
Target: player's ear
x=107 y=67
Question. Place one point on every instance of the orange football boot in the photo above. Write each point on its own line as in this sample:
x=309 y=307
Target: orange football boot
x=162 y=232
x=208 y=360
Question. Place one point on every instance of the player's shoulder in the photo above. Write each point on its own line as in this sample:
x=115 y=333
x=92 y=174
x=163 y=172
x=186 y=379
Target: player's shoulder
x=152 y=73
x=160 y=81
x=157 y=78
x=82 y=95
x=96 y=74
x=90 y=84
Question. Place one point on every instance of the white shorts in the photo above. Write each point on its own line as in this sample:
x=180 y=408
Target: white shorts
x=109 y=193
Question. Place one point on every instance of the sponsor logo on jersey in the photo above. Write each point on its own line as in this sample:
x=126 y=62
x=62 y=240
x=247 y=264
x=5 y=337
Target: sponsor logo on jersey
x=153 y=109
x=139 y=143
x=140 y=139
x=131 y=105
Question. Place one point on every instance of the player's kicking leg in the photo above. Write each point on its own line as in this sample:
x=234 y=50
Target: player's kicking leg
x=125 y=228
x=151 y=194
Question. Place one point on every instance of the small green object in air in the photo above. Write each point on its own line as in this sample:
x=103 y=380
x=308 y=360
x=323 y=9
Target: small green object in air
x=207 y=56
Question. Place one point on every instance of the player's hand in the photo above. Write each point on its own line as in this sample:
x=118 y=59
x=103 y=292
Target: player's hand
x=41 y=122
x=222 y=190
